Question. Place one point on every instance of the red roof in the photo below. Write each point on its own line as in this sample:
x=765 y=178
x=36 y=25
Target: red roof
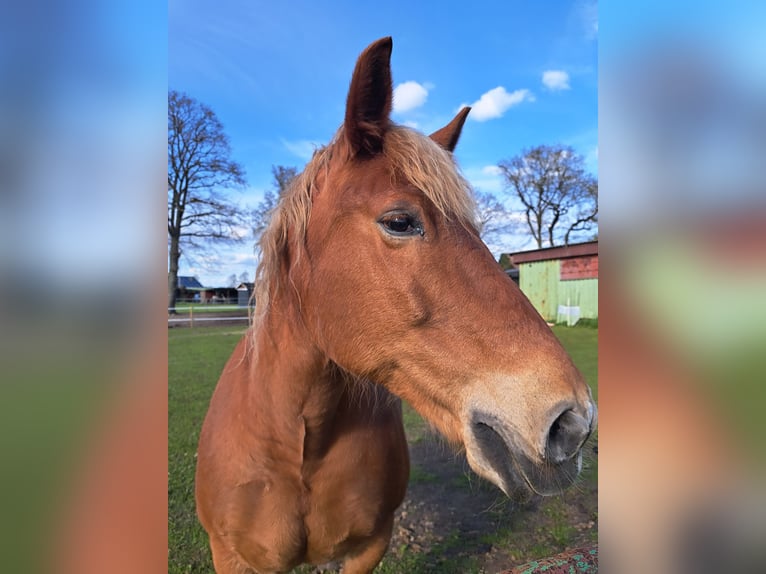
x=561 y=252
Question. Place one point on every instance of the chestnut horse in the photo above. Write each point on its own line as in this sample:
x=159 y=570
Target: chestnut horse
x=373 y=286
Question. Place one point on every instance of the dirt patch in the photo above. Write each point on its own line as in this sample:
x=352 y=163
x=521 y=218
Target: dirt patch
x=453 y=518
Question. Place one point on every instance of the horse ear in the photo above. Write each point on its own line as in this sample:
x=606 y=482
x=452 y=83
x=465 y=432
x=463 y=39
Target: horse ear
x=370 y=96
x=447 y=136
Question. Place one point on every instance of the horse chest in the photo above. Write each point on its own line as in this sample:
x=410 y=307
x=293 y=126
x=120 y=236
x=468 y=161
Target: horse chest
x=354 y=493
x=276 y=517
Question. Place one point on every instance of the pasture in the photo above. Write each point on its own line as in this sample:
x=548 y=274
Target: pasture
x=451 y=521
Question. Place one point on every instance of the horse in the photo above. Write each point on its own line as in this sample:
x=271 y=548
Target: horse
x=375 y=287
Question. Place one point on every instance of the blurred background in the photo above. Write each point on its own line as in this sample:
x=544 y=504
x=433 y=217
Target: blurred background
x=682 y=142
x=83 y=100
x=682 y=139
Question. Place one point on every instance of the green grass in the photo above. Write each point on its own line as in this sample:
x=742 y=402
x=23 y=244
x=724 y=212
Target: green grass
x=421 y=475
x=559 y=528
x=195 y=360
x=415 y=427
x=448 y=556
x=582 y=345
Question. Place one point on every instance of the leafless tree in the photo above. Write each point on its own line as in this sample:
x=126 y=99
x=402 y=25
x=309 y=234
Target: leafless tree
x=199 y=169
x=560 y=198
x=494 y=219
x=283 y=176
x=585 y=215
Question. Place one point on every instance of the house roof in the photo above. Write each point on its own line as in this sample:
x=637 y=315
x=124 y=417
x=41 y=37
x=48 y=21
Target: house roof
x=186 y=282
x=561 y=252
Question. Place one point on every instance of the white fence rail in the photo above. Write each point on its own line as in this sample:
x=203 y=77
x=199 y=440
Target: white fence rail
x=205 y=314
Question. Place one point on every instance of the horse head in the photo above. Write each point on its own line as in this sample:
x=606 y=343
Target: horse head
x=380 y=255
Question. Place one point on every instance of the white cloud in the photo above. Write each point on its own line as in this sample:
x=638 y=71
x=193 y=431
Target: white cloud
x=409 y=95
x=494 y=103
x=487 y=178
x=248 y=259
x=589 y=14
x=556 y=80
x=304 y=149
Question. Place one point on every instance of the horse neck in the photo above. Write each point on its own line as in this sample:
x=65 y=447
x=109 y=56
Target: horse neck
x=293 y=384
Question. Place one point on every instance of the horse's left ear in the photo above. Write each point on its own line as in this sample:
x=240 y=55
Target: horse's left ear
x=369 y=101
x=447 y=136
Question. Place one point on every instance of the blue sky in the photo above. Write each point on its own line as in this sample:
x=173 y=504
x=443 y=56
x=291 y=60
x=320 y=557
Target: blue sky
x=276 y=74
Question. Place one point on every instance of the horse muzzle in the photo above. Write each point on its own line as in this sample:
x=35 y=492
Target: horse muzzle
x=520 y=467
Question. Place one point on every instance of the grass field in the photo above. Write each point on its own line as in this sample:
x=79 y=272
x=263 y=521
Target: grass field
x=195 y=360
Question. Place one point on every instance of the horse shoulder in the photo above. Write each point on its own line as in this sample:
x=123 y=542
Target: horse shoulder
x=247 y=498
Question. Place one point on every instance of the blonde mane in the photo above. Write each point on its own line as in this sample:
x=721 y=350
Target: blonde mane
x=413 y=157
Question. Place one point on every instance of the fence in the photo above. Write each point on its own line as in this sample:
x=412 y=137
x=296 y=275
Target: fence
x=207 y=314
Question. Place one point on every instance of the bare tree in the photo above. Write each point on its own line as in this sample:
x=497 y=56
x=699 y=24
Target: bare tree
x=560 y=198
x=232 y=280
x=494 y=218
x=585 y=216
x=283 y=177
x=244 y=277
x=199 y=168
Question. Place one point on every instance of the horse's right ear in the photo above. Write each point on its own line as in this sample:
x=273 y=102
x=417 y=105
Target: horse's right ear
x=369 y=101
x=447 y=136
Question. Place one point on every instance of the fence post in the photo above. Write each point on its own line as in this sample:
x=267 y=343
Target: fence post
x=191 y=315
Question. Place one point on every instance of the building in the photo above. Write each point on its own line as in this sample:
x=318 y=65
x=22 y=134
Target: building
x=561 y=282
x=219 y=295
x=189 y=289
x=244 y=292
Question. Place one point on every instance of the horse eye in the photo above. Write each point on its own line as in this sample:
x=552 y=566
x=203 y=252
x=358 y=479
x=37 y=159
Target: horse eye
x=401 y=224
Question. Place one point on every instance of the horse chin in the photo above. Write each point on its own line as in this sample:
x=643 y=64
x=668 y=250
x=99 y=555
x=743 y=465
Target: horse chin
x=494 y=453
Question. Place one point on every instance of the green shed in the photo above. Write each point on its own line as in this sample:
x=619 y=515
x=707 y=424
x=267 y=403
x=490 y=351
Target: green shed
x=561 y=282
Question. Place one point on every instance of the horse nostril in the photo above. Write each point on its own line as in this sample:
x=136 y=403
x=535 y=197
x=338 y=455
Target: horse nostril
x=565 y=437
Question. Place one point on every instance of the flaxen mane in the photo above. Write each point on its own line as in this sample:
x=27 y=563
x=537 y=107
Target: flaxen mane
x=413 y=157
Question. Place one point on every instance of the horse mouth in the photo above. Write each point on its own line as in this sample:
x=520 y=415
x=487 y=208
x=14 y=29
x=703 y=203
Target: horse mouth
x=494 y=452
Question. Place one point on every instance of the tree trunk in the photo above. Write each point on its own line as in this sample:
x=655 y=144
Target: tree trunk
x=537 y=231
x=173 y=257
